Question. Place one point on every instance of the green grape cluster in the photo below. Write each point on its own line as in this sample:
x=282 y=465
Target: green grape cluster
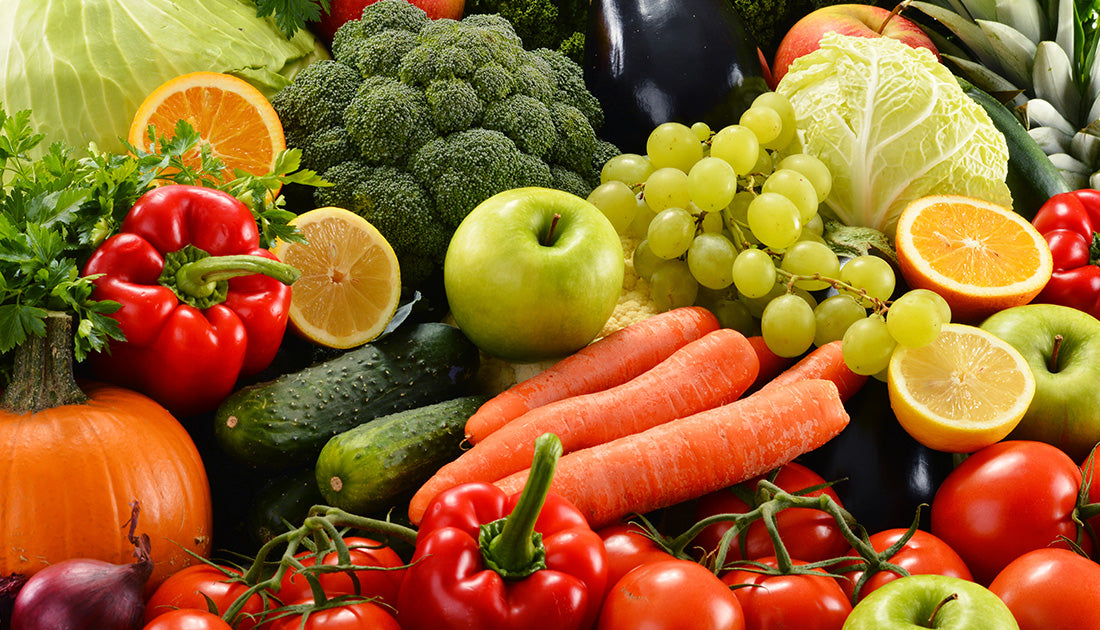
x=729 y=220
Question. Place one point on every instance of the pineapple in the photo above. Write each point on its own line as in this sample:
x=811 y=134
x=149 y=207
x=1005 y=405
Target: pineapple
x=1037 y=57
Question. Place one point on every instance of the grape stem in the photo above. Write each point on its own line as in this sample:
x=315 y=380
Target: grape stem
x=878 y=305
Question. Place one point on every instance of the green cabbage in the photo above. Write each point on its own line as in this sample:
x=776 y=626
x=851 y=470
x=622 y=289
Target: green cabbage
x=83 y=66
x=892 y=125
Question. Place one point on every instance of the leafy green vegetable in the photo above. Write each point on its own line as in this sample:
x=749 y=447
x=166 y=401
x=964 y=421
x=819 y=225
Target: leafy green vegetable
x=57 y=208
x=292 y=15
x=892 y=125
x=84 y=66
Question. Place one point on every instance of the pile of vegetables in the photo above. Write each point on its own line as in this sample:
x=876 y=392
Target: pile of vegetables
x=415 y=122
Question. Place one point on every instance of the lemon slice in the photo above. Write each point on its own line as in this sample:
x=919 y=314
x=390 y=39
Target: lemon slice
x=965 y=390
x=350 y=284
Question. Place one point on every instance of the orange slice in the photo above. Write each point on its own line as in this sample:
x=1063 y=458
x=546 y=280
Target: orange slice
x=981 y=257
x=350 y=284
x=965 y=390
x=232 y=117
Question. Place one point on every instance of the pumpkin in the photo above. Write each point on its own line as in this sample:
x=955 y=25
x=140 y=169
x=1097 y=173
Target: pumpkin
x=71 y=468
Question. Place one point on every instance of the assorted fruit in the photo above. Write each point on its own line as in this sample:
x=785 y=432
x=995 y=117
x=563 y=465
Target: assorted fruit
x=491 y=316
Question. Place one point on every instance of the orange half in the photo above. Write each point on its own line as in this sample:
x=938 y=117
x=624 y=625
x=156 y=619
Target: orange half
x=233 y=117
x=980 y=256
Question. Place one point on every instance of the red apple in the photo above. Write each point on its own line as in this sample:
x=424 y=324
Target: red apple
x=860 y=20
x=341 y=11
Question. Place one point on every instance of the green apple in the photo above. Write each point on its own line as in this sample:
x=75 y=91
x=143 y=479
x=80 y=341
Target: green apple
x=1062 y=346
x=533 y=274
x=931 y=601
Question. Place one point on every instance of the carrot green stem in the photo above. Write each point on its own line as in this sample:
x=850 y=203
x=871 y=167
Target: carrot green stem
x=511 y=546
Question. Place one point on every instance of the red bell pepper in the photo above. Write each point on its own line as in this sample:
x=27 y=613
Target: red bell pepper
x=202 y=303
x=1070 y=222
x=490 y=561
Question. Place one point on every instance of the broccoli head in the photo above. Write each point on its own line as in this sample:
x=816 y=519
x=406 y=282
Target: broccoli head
x=416 y=121
x=555 y=24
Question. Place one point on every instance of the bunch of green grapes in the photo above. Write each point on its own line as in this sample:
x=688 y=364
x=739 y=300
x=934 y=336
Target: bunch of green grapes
x=725 y=222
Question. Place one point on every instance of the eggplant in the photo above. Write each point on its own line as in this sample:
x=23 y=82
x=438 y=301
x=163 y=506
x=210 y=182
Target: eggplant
x=655 y=61
x=882 y=474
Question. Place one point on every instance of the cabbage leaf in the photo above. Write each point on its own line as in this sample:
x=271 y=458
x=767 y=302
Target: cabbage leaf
x=84 y=66
x=892 y=125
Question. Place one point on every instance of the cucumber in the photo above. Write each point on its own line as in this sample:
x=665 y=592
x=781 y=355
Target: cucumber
x=368 y=467
x=284 y=499
x=1032 y=177
x=286 y=421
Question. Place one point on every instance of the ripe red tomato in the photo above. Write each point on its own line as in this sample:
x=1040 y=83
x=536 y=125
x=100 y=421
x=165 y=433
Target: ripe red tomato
x=923 y=553
x=777 y=602
x=356 y=616
x=1005 y=500
x=671 y=595
x=1051 y=589
x=187 y=619
x=627 y=547
x=190 y=587
x=808 y=534
x=383 y=582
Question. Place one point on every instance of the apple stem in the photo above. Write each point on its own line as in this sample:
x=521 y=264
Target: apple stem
x=898 y=8
x=936 y=611
x=549 y=238
x=1053 y=366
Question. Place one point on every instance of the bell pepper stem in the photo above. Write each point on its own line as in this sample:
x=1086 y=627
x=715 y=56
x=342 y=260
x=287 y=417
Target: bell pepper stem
x=200 y=277
x=511 y=546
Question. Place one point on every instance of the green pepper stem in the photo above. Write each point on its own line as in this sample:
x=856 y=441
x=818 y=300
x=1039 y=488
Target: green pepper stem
x=199 y=278
x=511 y=546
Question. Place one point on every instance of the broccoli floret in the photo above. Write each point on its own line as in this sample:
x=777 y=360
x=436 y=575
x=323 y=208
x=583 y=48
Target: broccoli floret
x=415 y=122
x=465 y=168
x=387 y=119
x=317 y=97
x=554 y=24
x=526 y=121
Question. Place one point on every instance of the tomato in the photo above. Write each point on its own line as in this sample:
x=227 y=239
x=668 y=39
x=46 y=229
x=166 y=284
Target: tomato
x=923 y=553
x=671 y=595
x=355 y=616
x=383 y=582
x=808 y=534
x=776 y=602
x=627 y=547
x=189 y=588
x=1051 y=589
x=1090 y=468
x=1005 y=500
x=187 y=619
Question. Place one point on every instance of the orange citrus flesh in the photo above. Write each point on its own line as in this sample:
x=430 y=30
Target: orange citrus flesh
x=981 y=257
x=232 y=117
x=351 y=283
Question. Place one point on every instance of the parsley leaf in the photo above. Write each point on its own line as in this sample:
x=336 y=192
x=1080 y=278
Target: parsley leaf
x=291 y=15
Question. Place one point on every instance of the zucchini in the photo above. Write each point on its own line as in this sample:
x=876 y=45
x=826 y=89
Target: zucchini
x=286 y=421
x=367 y=468
x=1032 y=177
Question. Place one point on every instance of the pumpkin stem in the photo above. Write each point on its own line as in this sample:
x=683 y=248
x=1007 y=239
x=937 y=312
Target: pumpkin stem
x=42 y=377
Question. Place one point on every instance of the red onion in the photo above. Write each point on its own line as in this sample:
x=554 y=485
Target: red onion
x=86 y=594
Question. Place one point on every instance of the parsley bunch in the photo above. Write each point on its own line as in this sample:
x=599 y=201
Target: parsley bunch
x=292 y=15
x=55 y=211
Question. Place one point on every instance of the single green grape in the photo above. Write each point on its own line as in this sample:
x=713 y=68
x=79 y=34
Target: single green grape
x=672 y=285
x=712 y=183
x=867 y=345
x=794 y=186
x=629 y=168
x=782 y=105
x=871 y=274
x=914 y=319
x=617 y=202
x=710 y=259
x=738 y=146
x=834 y=315
x=807 y=258
x=671 y=233
x=788 y=325
x=937 y=299
x=673 y=145
x=764 y=122
x=753 y=273
x=667 y=188
x=775 y=220
x=645 y=263
x=639 y=227
x=701 y=130
x=813 y=168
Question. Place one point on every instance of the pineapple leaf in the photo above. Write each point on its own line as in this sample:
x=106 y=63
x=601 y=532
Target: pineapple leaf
x=1053 y=80
x=1015 y=51
x=1025 y=16
x=967 y=31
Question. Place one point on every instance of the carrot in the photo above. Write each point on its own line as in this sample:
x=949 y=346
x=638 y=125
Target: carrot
x=604 y=363
x=825 y=361
x=771 y=364
x=687 y=458
x=711 y=371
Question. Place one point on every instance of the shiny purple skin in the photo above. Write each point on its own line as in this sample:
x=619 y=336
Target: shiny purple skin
x=83 y=594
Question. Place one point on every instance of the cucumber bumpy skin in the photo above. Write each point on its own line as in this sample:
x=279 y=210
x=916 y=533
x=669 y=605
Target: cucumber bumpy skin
x=286 y=421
